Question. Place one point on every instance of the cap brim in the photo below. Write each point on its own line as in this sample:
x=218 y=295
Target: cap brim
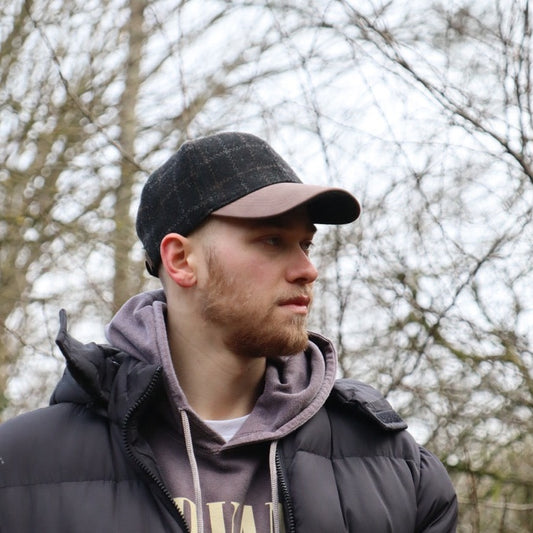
x=327 y=205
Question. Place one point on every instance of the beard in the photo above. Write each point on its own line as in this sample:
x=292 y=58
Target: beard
x=252 y=327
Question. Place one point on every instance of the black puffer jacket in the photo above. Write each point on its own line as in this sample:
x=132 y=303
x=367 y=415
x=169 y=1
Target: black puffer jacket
x=82 y=465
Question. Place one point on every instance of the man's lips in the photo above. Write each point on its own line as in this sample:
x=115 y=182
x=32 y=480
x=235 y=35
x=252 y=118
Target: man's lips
x=297 y=303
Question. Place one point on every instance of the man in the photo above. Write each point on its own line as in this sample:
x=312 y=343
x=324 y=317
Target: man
x=213 y=409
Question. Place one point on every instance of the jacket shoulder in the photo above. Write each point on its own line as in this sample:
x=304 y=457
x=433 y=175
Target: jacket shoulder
x=365 y=400
x=357 y=455
x=356 y=421
x=62 y=468
x=54 y=444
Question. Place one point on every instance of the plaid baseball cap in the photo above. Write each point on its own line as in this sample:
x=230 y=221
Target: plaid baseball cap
x=228 y=174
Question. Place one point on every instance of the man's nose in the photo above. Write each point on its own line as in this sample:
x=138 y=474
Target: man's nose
x=301 y=269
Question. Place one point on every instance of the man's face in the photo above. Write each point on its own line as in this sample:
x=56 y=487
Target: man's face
x=258 y=284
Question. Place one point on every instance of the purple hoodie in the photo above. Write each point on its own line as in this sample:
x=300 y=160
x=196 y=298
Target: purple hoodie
x=234 y=482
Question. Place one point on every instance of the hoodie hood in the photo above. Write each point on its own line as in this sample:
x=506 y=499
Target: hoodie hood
x=295 y=386
x=139 y=328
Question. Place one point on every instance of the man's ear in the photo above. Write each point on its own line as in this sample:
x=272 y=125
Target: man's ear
x=175 y=253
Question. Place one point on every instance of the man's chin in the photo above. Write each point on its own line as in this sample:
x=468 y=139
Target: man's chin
x=269 y=347
x=290 y=347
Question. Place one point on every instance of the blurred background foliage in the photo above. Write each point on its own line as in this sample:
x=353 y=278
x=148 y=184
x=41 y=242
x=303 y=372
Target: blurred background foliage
x=423 y=109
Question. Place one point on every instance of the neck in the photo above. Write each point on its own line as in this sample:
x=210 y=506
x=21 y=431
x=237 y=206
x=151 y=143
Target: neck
x=218 y=384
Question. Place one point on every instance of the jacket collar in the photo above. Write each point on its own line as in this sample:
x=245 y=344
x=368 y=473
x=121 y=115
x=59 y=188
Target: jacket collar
x=364 y=398
x=101 y=376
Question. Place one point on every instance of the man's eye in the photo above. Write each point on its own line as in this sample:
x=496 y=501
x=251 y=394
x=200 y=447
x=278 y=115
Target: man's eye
x=306 y=246
x=272 y=241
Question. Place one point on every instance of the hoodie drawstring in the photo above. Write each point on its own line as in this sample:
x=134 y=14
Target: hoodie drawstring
x=274 y=483
x=196 y=476
x=194 y=471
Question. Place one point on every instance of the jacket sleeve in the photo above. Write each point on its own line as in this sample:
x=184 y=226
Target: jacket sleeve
x=437 y=501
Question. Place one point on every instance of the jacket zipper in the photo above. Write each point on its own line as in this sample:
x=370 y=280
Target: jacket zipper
x=287 y=502
x=129 y=448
